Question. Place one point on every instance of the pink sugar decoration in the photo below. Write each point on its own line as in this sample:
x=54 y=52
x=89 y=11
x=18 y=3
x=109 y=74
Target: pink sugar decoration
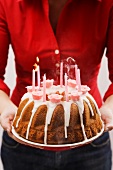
x=72 y=83
x=84 y=89
x=30 y=89
x=55 y=98
x=75 y=96
x=37 y=95
x=49 y=83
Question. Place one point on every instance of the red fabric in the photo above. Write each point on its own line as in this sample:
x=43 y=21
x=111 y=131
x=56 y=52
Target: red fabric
x=109 y=92
x=84 y=29
x=4 y=87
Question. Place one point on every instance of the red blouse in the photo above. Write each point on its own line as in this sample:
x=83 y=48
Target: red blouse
x=84 y=29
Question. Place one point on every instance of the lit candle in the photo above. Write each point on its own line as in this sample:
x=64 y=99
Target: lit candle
x=38 y=73
x=44 y=88
x=61 y=74
x=38 y=77
x=76 y=72
x=79 y=80
x=66 y=88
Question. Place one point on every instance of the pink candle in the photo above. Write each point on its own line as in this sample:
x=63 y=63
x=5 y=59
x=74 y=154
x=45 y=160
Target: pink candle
x=33 y=80
x=38 y=73
x=38 y=76
x=76 y=71
x=44 y=88
x=66 y=88
x=61 y=74
x=77 y=74
x=79 y=80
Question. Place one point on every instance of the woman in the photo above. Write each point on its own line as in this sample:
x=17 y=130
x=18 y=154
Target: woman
x=53 y=31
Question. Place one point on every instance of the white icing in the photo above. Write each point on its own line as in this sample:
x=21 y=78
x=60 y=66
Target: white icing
x=98 y=111
x=50 y=111
x=81 y=110
x=23 y=111
x=90 y=107
x=36 y=105
x=27 y=95
x=67 y=107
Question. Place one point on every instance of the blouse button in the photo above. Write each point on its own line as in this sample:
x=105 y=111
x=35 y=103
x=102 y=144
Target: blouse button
x=56 y=51
x=57 y=65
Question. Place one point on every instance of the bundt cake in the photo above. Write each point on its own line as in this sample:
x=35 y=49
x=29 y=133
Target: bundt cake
x=57 y=121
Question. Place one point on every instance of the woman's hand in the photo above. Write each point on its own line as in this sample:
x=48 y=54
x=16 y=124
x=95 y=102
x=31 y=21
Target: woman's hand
x=107 y=113
x=7 y=112
x=7 y=116
x=6 y=119
x=107 y=117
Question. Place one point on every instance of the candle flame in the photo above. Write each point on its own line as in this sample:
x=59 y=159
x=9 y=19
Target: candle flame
x=37 y=59
x=35 y=67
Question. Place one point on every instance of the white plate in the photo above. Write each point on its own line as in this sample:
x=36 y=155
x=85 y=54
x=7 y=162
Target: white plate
x=56 y=147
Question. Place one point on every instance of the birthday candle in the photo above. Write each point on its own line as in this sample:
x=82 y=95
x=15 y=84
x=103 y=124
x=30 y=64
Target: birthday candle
x=79 y=80
x=33 y=80
x=66 y=88
x=38 y=75
x=44 y=88
x=61 y=74
x=76 y=72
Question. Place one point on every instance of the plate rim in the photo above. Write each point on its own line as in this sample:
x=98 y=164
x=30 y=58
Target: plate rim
x=72 y=145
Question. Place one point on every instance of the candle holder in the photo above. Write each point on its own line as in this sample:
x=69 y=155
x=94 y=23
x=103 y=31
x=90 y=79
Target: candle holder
x=84 y=89
x=49 y=83
x=30 y=89
x=72 y=83
x=75 y=96
x=37 y=95
x=55 y=98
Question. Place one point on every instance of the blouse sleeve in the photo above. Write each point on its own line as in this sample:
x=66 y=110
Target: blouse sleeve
x=4 y=47
x=109 y=54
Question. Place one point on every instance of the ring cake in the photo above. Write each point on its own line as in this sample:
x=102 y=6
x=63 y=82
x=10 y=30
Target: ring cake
x=63 y=118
